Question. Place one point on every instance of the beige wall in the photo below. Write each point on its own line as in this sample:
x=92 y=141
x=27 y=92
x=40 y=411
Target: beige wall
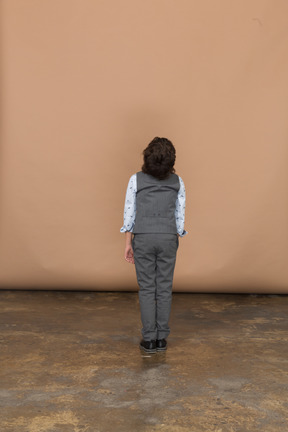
x=87 y=84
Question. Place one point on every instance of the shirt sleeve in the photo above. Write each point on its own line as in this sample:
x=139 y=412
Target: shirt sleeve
x=130 y=205
x=180 y=209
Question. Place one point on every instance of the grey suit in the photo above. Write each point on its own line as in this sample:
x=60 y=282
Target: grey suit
x=155 y=245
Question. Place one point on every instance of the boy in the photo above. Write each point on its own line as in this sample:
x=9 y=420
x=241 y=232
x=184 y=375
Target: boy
x=154 y=212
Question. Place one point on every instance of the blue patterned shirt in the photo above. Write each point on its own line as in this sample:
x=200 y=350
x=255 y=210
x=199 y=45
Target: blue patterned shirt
x=130 y=207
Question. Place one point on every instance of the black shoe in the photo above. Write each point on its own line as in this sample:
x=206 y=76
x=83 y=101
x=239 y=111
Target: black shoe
x=161 y=345
x=148 y=346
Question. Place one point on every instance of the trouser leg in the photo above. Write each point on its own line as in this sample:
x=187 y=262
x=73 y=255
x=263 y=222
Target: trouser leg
x=145 y=265
x=165 y=265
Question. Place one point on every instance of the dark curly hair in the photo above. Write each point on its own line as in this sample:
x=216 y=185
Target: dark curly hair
x=159 y=158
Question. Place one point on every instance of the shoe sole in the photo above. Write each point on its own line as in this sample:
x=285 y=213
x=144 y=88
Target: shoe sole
x=161 y=349
x=147 y=350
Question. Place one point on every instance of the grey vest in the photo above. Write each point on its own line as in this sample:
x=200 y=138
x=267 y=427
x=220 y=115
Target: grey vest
x=155 y=204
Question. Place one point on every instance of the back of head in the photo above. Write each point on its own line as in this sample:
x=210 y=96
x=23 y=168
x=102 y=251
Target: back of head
x=159 y=158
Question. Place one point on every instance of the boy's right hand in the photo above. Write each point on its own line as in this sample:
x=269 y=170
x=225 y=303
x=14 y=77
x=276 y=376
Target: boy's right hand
x=129 y=254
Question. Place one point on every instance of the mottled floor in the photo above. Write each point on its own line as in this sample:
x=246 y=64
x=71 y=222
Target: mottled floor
x=70 y=362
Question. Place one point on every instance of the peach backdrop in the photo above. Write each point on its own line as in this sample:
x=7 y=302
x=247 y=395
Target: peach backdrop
x=85 y=85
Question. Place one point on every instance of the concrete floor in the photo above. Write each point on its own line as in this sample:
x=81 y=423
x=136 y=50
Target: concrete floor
x=70 y=362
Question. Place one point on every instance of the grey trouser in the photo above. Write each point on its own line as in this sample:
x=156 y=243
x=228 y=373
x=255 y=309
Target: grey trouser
x=155 y=257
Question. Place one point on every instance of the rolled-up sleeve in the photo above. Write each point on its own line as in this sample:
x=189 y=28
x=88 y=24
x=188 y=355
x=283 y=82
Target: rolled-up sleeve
x=180 y=209
x=130 y=205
